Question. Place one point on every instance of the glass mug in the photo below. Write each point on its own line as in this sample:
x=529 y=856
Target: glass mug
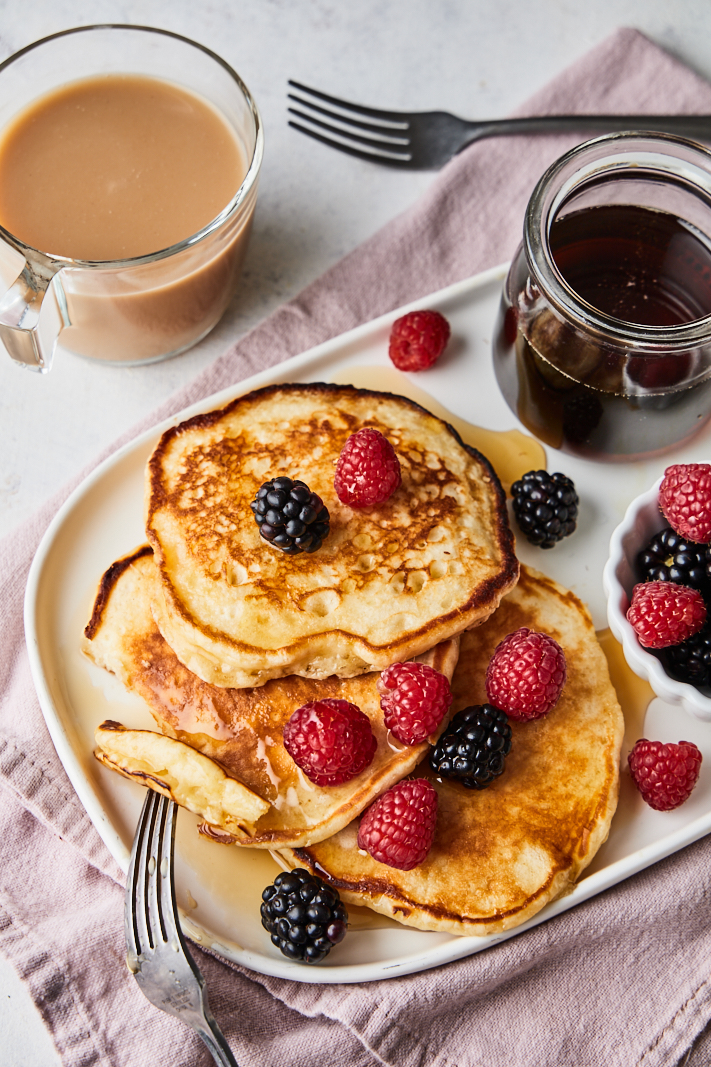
x=151 y=306
x=603 y=341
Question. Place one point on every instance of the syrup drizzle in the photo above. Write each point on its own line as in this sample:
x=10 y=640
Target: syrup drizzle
x=633 y=693
x=510 y=452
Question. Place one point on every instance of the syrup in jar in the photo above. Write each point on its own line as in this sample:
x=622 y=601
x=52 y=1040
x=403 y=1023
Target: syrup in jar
x=603 y=343
x=634 y=264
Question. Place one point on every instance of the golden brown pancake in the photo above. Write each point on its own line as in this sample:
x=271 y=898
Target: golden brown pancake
x=500 y=854
x=388 y=583
x=241 y=729
x=178 y=771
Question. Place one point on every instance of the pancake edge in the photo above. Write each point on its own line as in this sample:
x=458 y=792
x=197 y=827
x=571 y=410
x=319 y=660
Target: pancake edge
x=214 y=655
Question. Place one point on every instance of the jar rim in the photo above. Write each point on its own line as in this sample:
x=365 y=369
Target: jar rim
x=654 y=155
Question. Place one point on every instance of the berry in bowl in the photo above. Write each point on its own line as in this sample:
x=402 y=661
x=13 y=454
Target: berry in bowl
x=658 y=585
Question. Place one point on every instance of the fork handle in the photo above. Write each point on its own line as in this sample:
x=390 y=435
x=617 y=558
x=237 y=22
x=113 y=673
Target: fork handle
x=215 y=1041
x=692 y=125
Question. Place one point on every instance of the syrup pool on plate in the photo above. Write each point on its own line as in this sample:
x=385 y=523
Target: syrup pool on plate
x=634 y=693
x=510 y=452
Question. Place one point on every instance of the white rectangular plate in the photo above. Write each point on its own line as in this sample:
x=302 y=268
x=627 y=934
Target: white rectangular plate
x=219 y=888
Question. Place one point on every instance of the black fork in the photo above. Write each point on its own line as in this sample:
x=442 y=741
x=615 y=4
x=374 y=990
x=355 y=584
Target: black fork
x=425 y=140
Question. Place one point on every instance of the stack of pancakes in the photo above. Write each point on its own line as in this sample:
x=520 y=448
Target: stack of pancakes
x=225 y=637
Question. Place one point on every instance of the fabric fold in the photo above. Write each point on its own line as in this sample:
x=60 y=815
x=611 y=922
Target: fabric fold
x=622 y=979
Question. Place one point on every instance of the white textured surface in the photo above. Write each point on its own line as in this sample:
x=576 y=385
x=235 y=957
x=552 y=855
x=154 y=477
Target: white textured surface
x=478 y=58
x=23 y=1039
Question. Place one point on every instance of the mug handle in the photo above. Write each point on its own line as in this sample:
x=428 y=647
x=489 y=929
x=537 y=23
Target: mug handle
x=33 y=313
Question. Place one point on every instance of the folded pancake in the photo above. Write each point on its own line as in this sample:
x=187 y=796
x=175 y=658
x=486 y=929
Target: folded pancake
x=500 y=854
x=388 y=583
x=179 y=772
x=241 y=729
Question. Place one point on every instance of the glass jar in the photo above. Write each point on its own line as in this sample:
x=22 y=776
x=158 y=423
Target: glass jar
x=603 y=341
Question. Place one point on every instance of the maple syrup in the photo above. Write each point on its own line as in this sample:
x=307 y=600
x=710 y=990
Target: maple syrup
x=635 y=264
x=603 y=341
x=634 y=693
x=581 y=395
x=510 y=452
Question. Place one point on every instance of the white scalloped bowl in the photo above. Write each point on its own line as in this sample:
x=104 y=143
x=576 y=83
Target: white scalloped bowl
x=642 y=519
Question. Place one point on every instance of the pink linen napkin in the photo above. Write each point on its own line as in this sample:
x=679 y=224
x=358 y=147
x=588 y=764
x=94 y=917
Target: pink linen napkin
x=620 y=980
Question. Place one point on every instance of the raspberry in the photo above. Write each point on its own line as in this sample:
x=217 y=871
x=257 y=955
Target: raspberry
x=418 y=339
x=367 y=470
x=331 y=740
x=304 y=916
x=414 y=698
x=399 y=827
x=660 y=371
x=526 y=674
x=685 y=499
x=665 y=613
x=664 y=774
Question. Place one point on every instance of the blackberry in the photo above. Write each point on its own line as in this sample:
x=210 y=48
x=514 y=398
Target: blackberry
x=473 y=747
x=304 y=916
x=581 y=415
x=545 y=506
x=691 y=660
x=669 y=557
x=290 y=516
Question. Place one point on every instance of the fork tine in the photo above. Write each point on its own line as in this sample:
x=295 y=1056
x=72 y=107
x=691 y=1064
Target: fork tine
x=137 y=936
x=162 y=912
x=388 y=160
x=147 y=883
x=168 y=904
x=397 y=147
x=372 y=112
x=158 y=903
x=387 y=129
x=166 y=972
